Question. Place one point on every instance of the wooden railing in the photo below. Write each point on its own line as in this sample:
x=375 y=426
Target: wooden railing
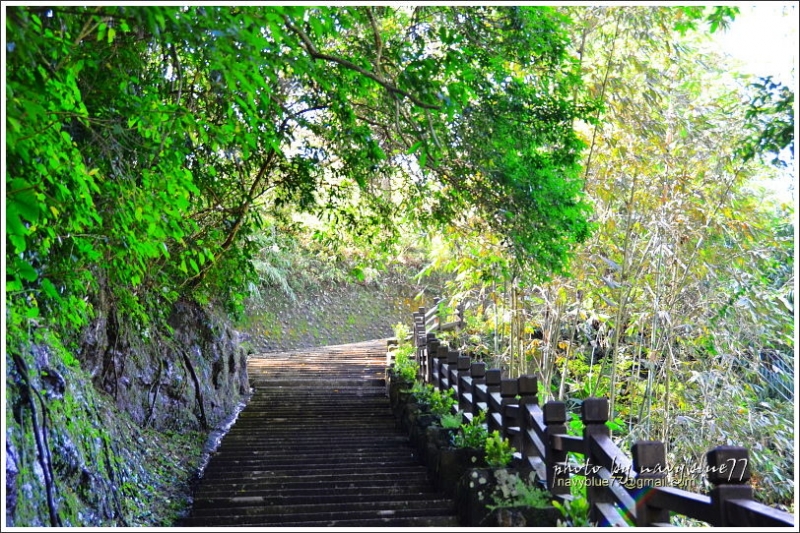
x=427 y=322
x=621 y=490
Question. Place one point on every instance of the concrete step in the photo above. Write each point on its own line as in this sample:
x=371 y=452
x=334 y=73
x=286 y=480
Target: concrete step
x=317 y=446
x=329 y=508
x=269 y=483
x=365 y=494
x=347 y=462
x=213 y=491
x=384 y=516
x=441 y=521
x=310 y=446
x=271 y=477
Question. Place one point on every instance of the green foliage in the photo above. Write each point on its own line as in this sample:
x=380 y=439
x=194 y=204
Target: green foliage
x=474 y=433
x=575 y=511
x=689 y=269
x=404 y=365
x=401 y=332
x=145 y=143
x=574 y=424
x=451 y=420
x=421 y=392
x=513 y=491
x=719 y=17
x=770 y=115
x=150 y=149
x=499 y=452
x=443 y=402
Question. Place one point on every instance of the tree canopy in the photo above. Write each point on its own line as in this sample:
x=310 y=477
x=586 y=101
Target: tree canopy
x=140 y=138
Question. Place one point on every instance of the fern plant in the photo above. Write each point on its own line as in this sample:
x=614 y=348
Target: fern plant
x=513 y=491
x=451 y=420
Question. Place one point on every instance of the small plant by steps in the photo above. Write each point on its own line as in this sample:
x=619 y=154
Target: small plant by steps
x=452 y=420
x=442 y=403
x=499 y=451
x=404 y=366
x=474 y=433
x=513 y=491
x=575 y=510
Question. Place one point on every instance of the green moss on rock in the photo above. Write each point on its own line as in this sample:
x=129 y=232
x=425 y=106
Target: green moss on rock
x=81 y=453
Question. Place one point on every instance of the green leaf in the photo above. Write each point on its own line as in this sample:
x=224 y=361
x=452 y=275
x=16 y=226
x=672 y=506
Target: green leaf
x=49 y=289
x=414 y=147
x=15 y=231
x=358 y=273
x=22 y=200
x=25 y=270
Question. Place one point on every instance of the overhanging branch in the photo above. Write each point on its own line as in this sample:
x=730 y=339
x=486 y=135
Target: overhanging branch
x=383 y=82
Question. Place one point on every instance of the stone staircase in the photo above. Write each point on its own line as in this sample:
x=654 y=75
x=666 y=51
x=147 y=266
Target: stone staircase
x=317 y=446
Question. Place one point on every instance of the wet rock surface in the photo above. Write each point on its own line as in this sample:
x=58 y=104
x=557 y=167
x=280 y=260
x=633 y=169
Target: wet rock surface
x=109 y=431
x=190 y=378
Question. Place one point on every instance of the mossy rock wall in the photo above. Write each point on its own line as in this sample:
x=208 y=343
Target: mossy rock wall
x=154 y=375
x=110 y=433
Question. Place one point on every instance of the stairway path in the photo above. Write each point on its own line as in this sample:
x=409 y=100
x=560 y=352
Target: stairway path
x=317 y=445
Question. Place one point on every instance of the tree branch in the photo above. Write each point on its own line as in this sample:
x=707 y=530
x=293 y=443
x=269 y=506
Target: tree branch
x=386 y=84
x=378 y=43
x=244 y=208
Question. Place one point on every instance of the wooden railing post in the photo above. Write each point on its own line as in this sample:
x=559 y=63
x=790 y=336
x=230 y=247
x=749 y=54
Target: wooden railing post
x=430 y=354
x=440 y=363
x=462 y=370
x=594 y=413
x=555 y=416
x=509 y=410
x=493 y=378
x=420 y=340
x=422 y=351
x=478 y=373
x=528 y=387
x=729 y=472
x=650 y=465
x=419 y=325
x=450 y=371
